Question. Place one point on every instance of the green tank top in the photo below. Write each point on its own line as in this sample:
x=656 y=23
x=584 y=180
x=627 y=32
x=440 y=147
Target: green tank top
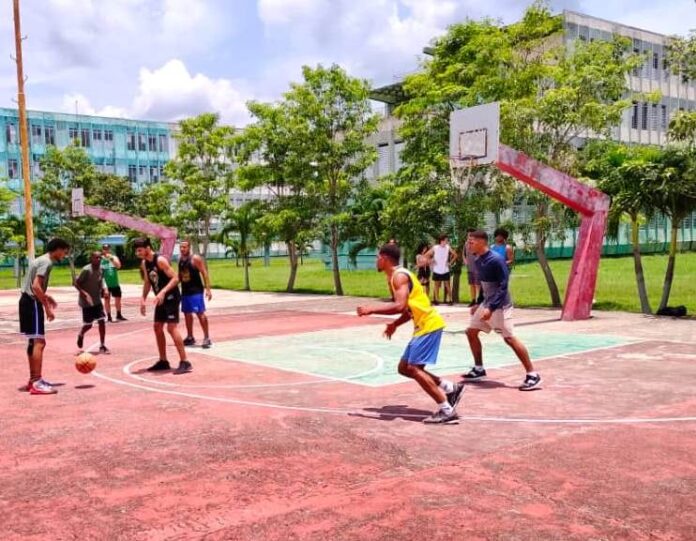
x=110 y=273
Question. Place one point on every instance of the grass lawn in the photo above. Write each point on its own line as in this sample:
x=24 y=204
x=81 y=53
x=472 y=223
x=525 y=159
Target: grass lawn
x=616 y=288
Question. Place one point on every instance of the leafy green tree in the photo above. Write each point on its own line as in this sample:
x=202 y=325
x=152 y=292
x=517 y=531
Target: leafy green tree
x=681 y=56
x=273 y=153
x=682 y=128
x=550 y=95
x=201 y=175
x=338 y=119
x=238 y=233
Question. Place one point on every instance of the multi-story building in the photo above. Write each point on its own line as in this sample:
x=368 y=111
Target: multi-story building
x=136 y=149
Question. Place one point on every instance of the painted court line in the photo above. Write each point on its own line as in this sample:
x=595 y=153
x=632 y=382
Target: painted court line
x=354 y=412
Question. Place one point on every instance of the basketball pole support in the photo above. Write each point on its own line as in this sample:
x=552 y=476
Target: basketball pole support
x=167 y=235
x=593 y=206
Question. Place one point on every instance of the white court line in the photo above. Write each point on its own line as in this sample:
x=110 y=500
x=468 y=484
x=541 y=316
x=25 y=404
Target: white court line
x=338 y=411
x=379 y=365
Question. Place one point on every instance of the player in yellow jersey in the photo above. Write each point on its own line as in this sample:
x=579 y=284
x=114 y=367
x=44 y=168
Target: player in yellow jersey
x=411 y=302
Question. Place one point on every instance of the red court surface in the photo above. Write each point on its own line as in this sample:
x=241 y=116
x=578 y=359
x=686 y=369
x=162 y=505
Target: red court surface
x=244 y=450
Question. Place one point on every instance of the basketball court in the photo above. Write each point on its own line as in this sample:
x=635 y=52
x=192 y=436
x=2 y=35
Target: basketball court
x=295 y=425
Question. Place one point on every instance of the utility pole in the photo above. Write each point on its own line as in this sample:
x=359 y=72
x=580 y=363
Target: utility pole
x=24 y=135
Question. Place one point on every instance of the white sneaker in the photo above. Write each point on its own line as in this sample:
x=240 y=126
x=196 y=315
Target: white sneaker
x=41 y=387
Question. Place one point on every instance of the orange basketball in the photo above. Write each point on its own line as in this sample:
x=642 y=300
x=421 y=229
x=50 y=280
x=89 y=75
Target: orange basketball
x=85 y=362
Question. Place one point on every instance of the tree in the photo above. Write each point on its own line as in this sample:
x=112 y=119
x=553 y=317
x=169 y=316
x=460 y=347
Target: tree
x=238 y=233
x=629 y=175
x=682 y=129
x=550 y=95
x=273 y=153
x=338 y=119
x=681 y=56
x=201 y=175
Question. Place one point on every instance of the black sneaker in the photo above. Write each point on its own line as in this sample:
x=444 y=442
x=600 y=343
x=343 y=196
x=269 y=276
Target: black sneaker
x=80 y=341
x=455 y=396
x=109 y=319
x=159 y=366
x=442 y=418
x=206 y=343
x=183 y=368
x=475 y=374
x=119 y=317
x=531 y=382
x=104 y=350
x=189 y=341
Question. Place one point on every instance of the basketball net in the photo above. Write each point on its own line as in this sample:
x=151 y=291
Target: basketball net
x=462 y=172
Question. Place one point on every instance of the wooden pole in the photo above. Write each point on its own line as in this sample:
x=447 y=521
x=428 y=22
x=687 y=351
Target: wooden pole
x=23 y=135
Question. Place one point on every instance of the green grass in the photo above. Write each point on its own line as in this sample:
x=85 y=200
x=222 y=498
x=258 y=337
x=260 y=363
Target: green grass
x=616 y=287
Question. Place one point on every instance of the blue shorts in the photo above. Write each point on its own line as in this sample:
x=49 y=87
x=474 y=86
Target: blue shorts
x=193 y=304
x=423 y=349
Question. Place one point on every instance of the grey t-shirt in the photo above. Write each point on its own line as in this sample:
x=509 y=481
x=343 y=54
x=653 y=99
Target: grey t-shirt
x=92 y=281
x=41 y=266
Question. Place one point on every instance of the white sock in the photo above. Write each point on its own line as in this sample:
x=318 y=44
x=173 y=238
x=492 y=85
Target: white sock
x=478 y=368
x=446 y=408
x=446 y=386
x=532 y=374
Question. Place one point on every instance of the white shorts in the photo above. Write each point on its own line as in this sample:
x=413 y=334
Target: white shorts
x=500 y=320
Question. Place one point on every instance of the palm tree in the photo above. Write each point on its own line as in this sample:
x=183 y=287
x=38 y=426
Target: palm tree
x=238 y=233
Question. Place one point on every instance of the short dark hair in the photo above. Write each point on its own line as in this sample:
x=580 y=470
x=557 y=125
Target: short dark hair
x=442 y=237
x=106 y=245
x=479 y=234
x=57 y=244
x=470 y=230
x=392 y=251
x=502 y=232
x=142 y=242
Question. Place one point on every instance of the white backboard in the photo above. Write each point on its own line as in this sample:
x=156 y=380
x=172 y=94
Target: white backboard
x=475 y=135
x=78 y=202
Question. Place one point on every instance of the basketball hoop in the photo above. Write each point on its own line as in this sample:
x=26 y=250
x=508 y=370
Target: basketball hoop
x=462 y=171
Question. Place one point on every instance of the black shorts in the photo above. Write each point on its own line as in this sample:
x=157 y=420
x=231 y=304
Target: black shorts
x=115 y=292
x=441 y=277
x=168 y=311
x=424 y=275
x=90 y=314
x=31 y=317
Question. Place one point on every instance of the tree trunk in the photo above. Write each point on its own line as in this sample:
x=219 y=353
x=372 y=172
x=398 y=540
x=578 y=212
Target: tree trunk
x=334 y=260
x=245 y=261
x=546 y=269
x=638 y=267
x=669 y=274
x=266 y=254
x=292 y=255
x=458 y=269
x=73 y=273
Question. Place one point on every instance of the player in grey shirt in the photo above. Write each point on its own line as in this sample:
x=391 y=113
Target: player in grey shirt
x=34 y=307
x=92 y=288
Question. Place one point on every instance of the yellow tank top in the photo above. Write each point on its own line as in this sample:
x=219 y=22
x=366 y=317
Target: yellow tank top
x=425 y=318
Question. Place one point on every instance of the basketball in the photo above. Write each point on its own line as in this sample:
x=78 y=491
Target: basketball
x=85 y=362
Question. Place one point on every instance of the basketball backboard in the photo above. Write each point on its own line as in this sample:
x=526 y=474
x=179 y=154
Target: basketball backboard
x=474 y=135
x=78 y=202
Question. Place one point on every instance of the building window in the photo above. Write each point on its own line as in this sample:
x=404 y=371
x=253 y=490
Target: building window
x=36 y=134
x=108 y=135
x=130 y=141
x=132 y=173
x=73 y=134
x=141 y=143
x=154 y=173
x=12 y=168
x=85 y=139
x=654 y=119
x=163 y=143
x=634 y=116
x=50 y=135
x=11 y=134
x=97 y=135
x=656 y=61
x=644 y=118
x=161 y=171
x=152 y=143
x=663 y=121
x=141 y=171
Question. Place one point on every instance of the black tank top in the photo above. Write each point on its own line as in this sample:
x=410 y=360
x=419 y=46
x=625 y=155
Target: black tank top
x=158 y=279
x=190 y=277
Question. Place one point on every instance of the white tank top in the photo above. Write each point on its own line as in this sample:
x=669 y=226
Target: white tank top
x=441 y=256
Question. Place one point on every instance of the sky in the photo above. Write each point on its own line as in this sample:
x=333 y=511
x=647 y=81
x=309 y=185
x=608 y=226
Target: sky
x=170 y=59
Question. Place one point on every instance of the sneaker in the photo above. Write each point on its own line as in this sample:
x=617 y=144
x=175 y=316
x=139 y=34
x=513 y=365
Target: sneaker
x=475 y=374
x=160 y=366
x=189 y=341
x=109 y=319
x=184 y=367
x=442 y=418
x=531 y=382
x=455 y=396
x=40 y=387
x=119 y=317
x=206 y=343
x=436 y=303
x=104 y=350
x=80 y=340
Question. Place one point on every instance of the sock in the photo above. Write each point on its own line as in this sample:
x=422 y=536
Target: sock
x=478 y=368
x=532 y=374
x=446 y=408
x=446 y=386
